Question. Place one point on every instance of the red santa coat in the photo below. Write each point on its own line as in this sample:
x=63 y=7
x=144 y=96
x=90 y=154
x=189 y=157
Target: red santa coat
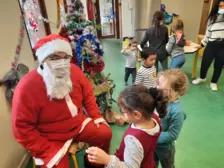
x=47 y=127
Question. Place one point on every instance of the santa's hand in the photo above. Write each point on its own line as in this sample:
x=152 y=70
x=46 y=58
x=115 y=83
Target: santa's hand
x=100 y=120
x=97 y=155
x=105 y=123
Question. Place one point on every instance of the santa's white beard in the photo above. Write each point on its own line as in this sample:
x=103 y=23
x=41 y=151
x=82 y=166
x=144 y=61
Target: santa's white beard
x=57 y=88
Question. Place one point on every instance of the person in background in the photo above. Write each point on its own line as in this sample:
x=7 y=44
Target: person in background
x=47 y=109
x=137 y=147
x=175 y=46
x=174 y=83
x=131 y=54
x=146 y=74
x=157 y=36
x=214 y=46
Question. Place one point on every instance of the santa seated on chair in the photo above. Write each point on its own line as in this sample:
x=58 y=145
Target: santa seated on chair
x=48 y=107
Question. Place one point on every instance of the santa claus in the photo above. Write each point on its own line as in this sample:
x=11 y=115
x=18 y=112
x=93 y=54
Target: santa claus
x=49 y=105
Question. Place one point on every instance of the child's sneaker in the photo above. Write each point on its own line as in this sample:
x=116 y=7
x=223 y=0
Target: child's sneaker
x=198 y=81
x=214 y=87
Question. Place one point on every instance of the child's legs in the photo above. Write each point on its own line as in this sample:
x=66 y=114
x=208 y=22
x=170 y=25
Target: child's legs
x=177 y=62
x=165 y=156
x=133 y=73
x=218 y=65
x=164 y=64
x=208 y=57
x=127 y=74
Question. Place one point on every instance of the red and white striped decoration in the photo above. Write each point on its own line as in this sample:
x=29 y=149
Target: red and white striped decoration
x=19 y=44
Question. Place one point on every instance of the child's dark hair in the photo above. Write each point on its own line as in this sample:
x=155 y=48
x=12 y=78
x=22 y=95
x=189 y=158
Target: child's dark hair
x=157 y=18
x=147 y=52
x=138 y=97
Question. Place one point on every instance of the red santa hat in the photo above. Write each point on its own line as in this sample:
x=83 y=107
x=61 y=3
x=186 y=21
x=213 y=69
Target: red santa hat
x=51 y=44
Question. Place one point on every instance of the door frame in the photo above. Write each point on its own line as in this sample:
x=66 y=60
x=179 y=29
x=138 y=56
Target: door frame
x=98 y=20
x=203 y=23
x=117 y=10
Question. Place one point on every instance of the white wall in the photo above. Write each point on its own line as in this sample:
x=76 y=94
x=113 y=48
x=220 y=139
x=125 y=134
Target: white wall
x=11 y=153
x=190 y=11
x=127 y=17
x=141 y=20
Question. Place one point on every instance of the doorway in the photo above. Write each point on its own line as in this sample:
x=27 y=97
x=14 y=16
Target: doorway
x=108 y=18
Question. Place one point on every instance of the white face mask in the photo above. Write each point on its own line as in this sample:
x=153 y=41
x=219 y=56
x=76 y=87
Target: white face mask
x=221 y=11
x=57 y=87
x=60 y=67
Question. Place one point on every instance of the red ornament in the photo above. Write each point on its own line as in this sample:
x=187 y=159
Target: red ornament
x=93 y=68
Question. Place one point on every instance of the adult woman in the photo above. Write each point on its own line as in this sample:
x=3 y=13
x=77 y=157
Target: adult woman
x=214 y=43
x=157 y=36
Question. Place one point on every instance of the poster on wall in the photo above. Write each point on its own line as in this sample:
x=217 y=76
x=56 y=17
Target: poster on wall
x=33 y=20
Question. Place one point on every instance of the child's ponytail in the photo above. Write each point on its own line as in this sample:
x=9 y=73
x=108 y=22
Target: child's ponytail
x=157 y=18
x=160 y=101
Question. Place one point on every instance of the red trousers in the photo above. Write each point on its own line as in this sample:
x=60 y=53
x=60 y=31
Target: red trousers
x=92 y=135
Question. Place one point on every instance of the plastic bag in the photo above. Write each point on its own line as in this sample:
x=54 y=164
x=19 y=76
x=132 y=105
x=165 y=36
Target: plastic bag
x=11 y=79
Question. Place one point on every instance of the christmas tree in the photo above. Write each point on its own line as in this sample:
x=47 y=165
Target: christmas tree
x=87 y=54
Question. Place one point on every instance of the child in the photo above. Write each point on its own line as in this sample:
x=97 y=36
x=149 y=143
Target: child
x=175 y=46
x=137 y=147
x=157 y=37
x=146 y=75
x=131 y=54
x=174 y=83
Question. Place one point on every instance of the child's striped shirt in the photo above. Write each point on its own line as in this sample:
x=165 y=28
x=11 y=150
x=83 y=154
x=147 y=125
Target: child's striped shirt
x=146 y=76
